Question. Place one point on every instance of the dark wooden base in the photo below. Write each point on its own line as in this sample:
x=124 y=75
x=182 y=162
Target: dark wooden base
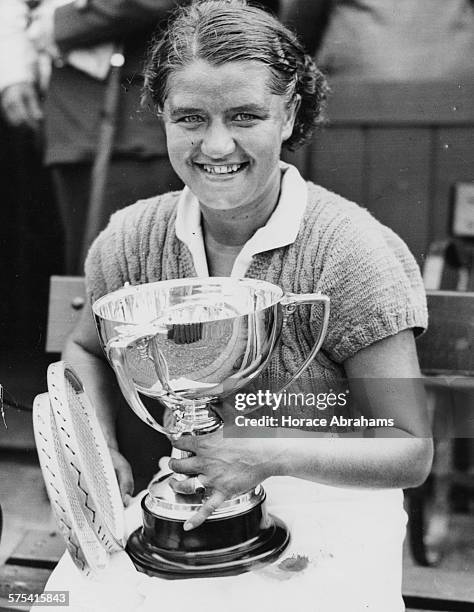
x=219 y=547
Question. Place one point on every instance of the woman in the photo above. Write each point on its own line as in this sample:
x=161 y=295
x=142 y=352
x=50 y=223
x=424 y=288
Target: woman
x=233 y=86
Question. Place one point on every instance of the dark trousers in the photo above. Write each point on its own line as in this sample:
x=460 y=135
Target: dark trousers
x=128 y=181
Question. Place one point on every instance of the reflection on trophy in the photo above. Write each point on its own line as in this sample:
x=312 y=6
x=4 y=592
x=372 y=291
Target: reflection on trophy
x=189 y=343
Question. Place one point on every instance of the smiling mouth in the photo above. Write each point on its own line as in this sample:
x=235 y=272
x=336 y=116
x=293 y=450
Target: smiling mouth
x=222 y=169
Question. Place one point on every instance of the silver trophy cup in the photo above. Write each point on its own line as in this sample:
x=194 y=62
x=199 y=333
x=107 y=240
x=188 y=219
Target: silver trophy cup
x=190 y=343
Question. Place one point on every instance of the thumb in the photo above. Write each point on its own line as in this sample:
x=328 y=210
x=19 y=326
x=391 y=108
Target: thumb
x=125 y=480
x=123 y=471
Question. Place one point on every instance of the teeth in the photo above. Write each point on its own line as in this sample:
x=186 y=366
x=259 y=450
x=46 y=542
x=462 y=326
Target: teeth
x=222 y=169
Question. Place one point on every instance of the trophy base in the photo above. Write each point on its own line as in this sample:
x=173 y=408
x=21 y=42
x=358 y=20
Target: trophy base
x=225 y=562
x=223 y=545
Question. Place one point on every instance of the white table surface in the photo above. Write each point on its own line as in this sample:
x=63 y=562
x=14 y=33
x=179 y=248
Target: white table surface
x=352 y=539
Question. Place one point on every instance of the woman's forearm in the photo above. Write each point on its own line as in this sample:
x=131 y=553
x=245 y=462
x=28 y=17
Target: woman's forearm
x=231 y=466
x=356 y=462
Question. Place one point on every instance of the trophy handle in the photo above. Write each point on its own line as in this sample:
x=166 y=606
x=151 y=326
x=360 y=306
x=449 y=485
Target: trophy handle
x=116 y=354
x=290 y=302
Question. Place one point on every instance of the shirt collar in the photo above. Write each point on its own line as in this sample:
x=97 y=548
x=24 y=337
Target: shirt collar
x=280 y=230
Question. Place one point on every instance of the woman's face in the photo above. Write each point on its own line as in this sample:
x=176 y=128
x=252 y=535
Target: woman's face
x=224 y=132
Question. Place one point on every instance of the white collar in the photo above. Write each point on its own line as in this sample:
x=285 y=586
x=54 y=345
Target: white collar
x=280 y=230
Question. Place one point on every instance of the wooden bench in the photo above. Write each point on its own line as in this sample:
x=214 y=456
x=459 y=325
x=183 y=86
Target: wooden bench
x=66 y=299
x=27 y=570
x=427 y=588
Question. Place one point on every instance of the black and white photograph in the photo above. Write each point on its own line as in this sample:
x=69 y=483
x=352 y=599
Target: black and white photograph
x=237 y=323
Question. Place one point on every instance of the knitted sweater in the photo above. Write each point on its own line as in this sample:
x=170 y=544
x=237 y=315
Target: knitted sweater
x=373 y=281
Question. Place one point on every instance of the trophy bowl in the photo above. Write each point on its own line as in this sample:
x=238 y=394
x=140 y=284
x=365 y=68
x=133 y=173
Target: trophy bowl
x=189 y=343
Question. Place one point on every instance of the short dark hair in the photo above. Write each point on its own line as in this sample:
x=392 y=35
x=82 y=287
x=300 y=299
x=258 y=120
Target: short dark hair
x=221 y=31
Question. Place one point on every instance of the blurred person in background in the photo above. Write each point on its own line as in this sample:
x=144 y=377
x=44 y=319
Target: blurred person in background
x=387 y=39
x=82 y=38
x=19 y=68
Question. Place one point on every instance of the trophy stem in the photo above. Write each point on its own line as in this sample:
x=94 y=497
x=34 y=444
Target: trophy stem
x=197 y=418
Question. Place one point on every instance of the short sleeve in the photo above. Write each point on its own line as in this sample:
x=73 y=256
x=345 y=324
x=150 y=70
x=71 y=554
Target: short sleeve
x=374 y=285
x=95 y=274
x=104 y=266
x=115 y=256
x=132 y=247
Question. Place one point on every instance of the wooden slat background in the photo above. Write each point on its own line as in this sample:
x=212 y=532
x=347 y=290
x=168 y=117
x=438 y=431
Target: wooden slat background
x=397 y=149
x=448 y=345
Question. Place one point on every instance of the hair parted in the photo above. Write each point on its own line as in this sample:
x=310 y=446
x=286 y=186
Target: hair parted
x=221 y=31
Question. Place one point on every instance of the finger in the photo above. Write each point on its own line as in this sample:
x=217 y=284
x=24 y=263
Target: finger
x=125 y=480
x=191 y=465
x=188 y=486
x=123 y=471
x=185 y=443
x=163 y=464
x=33 y=107
x=24 y=109
x=209 y=506
x=27 y=119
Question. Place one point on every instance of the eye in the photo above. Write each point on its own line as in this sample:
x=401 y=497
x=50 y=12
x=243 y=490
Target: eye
x=245 y=117
x=191 y=119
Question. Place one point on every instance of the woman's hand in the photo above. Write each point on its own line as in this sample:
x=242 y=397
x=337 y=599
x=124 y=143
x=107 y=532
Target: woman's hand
x=123 y=471
x=226 y=467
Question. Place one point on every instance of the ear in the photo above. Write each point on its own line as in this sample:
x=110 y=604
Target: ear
x=289 y=122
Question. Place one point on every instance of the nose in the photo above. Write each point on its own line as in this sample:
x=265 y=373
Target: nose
x=218 y=141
